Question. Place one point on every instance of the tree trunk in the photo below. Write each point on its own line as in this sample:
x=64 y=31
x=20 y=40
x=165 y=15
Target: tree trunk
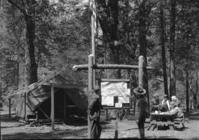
x=196 y=91
x=187 y=90
x=143 y=43
x=162 y=37
x=30 y=64
x=172 y=50
x=108 y=19
x=27 y=9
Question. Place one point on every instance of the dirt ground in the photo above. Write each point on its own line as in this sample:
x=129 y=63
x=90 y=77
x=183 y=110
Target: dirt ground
x=127 y=129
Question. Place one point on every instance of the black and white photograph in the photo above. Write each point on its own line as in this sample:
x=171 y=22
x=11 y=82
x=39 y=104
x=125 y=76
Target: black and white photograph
x=99 y=69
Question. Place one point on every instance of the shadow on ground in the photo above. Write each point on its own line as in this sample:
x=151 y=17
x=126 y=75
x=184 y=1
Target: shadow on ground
x=81 y=133
x=76 y=122
x=56 y=134
x=129 y=138
x=165 y=137
x=151 y=138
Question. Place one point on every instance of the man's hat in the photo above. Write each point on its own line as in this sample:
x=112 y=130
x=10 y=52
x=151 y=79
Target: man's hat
x=96 y=88
x=173 y=98
x=139 y=91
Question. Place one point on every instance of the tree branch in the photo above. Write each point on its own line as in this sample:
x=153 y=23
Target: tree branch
x=17 y=6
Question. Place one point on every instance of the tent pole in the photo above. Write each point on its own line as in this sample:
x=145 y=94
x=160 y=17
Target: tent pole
x=52 y=106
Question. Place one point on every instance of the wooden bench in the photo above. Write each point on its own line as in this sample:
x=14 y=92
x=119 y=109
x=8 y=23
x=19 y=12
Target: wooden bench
x=180 y=121
x=154 y=124
x=157 y=121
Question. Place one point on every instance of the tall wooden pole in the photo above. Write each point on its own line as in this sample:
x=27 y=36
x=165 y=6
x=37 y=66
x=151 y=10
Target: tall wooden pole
x=93 y=32
x=52 y=106
x=140 y=75
x=141 y=71
x=90 y=86
x=91 y=57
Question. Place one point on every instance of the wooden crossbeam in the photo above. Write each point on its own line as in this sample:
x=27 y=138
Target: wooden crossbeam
x=116 y=80
x=108 y=66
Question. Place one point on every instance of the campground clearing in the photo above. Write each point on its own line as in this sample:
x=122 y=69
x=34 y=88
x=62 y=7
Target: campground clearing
x=13 y=129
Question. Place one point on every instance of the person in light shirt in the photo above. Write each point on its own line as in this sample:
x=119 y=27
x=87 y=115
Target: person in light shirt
x=176 y=111
x=165 y=104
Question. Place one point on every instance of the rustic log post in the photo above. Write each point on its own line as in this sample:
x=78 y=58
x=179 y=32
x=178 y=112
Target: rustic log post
x=141 y=71
x=90 y=86
x=52 y=106
x=92 y=4
x=141 y=84
x=140 y=74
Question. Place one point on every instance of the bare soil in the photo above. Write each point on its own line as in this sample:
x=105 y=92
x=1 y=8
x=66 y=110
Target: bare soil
x=127 y=129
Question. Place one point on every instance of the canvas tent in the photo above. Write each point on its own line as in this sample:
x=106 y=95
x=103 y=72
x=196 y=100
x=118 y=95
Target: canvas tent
x=69 y=99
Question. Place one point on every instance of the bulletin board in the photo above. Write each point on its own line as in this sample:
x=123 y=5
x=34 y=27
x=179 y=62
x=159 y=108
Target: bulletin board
x=115 y=93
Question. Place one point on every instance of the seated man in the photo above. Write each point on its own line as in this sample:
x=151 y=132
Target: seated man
x=165 y=104
x=176 y=111
x=155 y=105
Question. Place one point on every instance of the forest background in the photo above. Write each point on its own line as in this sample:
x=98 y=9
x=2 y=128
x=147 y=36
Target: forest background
x=39 y=39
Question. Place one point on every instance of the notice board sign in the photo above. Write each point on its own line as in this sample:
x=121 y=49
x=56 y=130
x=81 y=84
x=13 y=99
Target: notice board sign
x=115 y=93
